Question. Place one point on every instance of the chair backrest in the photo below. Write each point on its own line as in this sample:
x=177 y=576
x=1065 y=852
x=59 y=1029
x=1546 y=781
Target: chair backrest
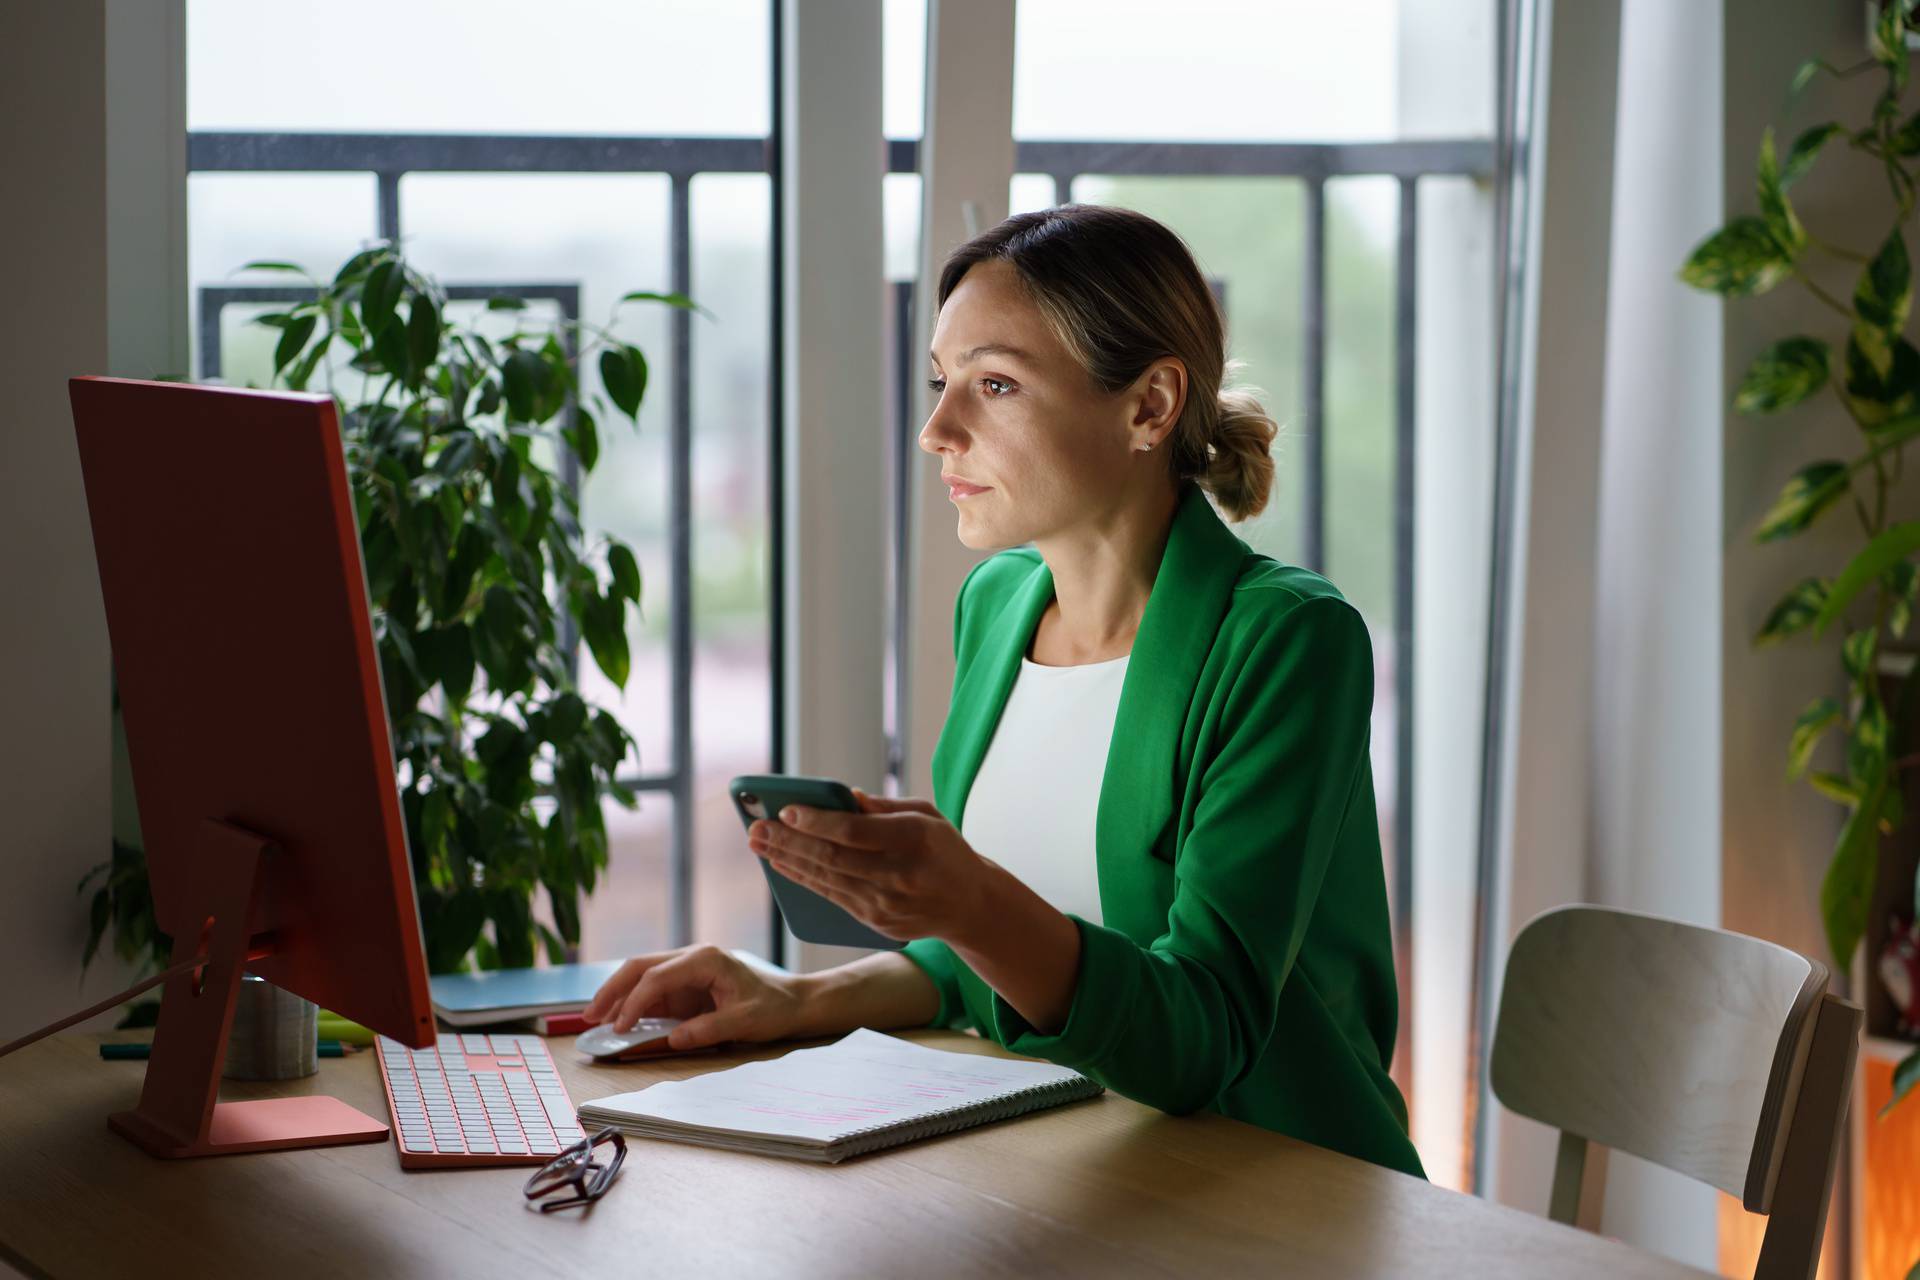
x=1714 y=1054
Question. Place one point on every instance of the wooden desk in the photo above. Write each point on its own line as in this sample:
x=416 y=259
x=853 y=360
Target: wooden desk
x=1101 y=1187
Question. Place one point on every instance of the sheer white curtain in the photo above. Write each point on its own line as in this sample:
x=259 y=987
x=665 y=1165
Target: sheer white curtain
x=1609 y=709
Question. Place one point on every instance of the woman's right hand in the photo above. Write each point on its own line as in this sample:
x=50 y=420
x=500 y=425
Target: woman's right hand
x=716 y=995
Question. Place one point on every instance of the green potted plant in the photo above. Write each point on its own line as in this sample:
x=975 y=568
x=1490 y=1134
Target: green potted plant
x=477 y=567
x=1873 y=372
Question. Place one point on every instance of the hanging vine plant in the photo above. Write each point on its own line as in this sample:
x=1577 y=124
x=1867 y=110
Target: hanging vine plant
x=1873 y=374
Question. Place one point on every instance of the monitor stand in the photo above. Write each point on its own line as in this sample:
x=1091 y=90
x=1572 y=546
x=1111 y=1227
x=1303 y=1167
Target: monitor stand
x=178 y=1114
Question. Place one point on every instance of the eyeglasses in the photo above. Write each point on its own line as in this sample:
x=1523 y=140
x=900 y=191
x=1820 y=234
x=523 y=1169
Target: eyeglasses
x=575 y=1167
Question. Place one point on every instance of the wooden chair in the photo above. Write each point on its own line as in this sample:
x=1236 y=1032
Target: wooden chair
x=1714 y=1054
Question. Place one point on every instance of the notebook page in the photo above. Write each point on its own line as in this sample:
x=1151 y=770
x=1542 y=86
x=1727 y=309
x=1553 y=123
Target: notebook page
x=863 y=1080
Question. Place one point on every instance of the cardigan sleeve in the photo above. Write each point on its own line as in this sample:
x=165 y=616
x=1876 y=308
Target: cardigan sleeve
x=1177 y=1023
x=937 y=961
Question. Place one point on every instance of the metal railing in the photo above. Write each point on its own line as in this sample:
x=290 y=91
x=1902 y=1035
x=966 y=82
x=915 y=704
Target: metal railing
x=389 y=157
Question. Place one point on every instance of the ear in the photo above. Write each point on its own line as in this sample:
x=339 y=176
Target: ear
x=1159 y=395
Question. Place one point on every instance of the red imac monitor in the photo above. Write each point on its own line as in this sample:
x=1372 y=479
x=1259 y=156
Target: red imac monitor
x=256 y=729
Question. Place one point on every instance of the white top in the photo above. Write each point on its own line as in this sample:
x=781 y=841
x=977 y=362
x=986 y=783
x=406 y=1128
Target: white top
x=1034 y=801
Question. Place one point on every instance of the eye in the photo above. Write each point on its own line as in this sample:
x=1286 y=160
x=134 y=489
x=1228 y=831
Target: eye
x=1003 y=387
x=936 y=385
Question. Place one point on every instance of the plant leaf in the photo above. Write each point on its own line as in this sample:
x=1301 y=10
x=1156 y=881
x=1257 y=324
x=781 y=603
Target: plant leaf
x=292 y=340
x=1795 y=610
x=1812 y=490
x=423 y=333
x=1905 y=140
x=456 y=663
x=1807 y=731
x=1883 y=377
x=1834 y=787
x=1856 y=653
x=303 y=368
x=585 y=439
x=1805 y=74
x=390 y=347
x=1784 y=374
x=1774 y=208
x=1892 y=547
x=265 y=264
x=679 y=300
x=1867 y=748
x=1848 y=884
x=566 y=715
x=1739 y=259
x=1805 y=150
x=523 y=374
x=1902 y=583
x=355 y=268
x=604 y=625
x=380 y=295
x=623 y=370
x=1884 y=294
x=1905 y=1076
x=626 y=571
x=1888 y=41
x=506 y=302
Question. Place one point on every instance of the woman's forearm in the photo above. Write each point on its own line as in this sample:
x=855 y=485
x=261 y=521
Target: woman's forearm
x=881 y=990
x=1024 y=948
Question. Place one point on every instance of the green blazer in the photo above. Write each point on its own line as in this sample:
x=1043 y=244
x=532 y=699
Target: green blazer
x=1245 y=964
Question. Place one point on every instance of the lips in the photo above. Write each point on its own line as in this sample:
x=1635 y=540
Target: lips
x=958 y=488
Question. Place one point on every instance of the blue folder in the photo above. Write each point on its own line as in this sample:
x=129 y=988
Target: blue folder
x=501 y=995
x=498 y=995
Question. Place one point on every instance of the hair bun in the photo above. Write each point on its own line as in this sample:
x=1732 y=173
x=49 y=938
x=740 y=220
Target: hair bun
x=1239 y=469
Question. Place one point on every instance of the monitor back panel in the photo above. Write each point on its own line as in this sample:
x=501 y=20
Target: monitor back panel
x=250 y=690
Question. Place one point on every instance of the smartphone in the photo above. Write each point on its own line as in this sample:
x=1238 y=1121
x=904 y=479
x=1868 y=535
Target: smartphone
x=811 y=917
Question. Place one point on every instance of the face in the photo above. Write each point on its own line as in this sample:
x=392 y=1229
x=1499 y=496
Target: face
x=1029 y=447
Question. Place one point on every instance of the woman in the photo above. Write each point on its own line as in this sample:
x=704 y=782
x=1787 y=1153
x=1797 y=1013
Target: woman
x=1152 y=853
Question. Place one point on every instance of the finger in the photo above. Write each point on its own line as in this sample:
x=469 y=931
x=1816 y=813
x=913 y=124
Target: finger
x=850 y=895
x=855 y=830
x=845 y=891
x=896 y=804
x=800 y=846
x=615 y=988
x=688 y=973
x=716 y=1027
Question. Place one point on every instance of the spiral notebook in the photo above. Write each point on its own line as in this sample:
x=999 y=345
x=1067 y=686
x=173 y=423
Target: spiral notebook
x=863 y=1092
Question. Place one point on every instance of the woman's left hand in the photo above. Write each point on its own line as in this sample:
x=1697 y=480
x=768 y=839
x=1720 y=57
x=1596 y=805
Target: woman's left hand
x=898 y=866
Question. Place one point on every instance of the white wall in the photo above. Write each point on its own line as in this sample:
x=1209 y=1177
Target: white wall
x=92 y=112
x=1655 y=837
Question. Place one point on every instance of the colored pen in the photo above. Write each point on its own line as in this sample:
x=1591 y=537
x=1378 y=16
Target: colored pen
x=130 y=1052
x=334 y=1027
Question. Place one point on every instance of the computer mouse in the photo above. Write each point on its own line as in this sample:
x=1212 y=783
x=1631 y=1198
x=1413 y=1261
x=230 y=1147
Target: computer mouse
x=604 y=1042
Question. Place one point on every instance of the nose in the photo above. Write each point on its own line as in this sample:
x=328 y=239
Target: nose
x=942 y=434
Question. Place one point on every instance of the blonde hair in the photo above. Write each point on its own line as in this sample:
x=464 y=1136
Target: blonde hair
x=1121 y=290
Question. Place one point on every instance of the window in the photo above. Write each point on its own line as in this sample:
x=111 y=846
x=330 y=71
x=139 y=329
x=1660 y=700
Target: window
x=564 y=161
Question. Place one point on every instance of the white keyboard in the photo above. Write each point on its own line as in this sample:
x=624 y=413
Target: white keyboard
x=475 y=1099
